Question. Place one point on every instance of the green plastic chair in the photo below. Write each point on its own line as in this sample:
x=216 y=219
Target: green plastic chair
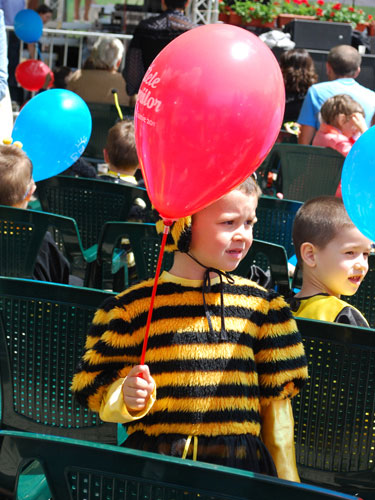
x=21 y=234
x=90 y=202
x=363 y=299
x=43 y=329
x=145 y=245
x=79 y=470
x=104 y=116
x=334 y=414
x=306 y=171
x=275 y=221
x=267 y=256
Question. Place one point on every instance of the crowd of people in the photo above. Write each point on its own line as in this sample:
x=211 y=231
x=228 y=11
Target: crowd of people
x=225 y=356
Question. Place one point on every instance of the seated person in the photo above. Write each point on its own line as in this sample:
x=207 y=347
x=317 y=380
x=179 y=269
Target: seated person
x=16 y=189
x=343 y=121
x=94 y=83
x=120 y=155
x=333 y=257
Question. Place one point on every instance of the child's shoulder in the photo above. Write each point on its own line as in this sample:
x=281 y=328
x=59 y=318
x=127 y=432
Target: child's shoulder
x=250 y=288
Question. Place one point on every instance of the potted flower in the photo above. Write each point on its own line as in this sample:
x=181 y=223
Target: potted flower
x=224 y=11
x=255 y=13
x=295 y=9
x=342 y=14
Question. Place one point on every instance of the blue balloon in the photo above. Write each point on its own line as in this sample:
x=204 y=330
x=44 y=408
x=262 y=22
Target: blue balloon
x=28 y=25
x=358 y=184
x=54 y=128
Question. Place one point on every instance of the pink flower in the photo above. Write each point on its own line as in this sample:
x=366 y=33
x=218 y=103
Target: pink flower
x=319 y=12
x=337 y=6
x=320 y=2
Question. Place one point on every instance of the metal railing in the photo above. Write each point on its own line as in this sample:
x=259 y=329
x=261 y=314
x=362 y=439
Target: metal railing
x=83 y=40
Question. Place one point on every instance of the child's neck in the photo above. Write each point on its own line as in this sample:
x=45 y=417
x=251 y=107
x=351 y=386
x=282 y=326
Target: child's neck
x=185 y=267
x=311 y=286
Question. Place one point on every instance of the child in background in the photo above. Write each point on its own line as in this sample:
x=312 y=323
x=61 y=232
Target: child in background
x=16 y=188
x=120 y=155
x=224 y=355
x=333 y=257
x=343 y=122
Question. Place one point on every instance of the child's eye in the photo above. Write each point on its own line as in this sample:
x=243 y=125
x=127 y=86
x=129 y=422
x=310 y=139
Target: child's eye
x=366 y=254
x=349 y=252
x=228 y=222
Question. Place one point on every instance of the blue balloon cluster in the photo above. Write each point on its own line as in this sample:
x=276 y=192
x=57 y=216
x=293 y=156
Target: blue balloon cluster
x=28 y=25
x=54 y=128
x=358 y=184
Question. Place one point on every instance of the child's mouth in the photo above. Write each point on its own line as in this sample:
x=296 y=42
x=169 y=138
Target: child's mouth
x=355 y=279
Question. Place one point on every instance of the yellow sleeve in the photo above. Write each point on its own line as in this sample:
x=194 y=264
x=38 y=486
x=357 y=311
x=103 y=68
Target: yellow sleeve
x=113 y=408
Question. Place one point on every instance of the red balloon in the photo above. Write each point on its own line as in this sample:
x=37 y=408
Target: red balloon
x=208 y=111
x=32 y=74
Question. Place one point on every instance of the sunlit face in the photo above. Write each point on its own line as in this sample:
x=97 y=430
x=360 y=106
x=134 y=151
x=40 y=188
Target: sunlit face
x=222 y=233
x=343 y=263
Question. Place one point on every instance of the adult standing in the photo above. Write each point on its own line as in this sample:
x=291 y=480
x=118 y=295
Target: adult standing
x=150 y=37
x=11 y=8
x=6 y=117
x=343 y=67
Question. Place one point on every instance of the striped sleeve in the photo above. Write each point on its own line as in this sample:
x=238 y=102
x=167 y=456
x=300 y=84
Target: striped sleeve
x=279 y=353
x=105 y=358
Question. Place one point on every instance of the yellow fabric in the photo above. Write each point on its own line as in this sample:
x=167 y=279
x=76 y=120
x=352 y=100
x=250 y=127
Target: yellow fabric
x=113 y=408
x=321 y=307
x=278 y=436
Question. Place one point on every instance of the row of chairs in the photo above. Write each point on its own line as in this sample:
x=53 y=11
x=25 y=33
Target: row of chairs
x=42 y=332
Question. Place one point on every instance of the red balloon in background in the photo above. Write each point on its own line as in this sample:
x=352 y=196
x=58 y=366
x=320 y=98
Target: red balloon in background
x=208 y=111
x=32 y=74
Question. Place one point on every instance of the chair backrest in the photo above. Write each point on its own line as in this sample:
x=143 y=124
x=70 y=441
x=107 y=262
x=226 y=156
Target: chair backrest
x=334 y=413
x=363 y=299
x=21 y=234
x=308 y=171
x=90 y=202
x=267 y=256
x=104 y=116
x=43 y=329
x=144 y=243
x=75 y=469
x=275 y=221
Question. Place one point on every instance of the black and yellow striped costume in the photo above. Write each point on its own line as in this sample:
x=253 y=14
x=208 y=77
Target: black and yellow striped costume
x=208 y=384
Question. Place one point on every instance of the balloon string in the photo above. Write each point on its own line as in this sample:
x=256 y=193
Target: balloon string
x=157 y=273
x=115 y=96
x=38 y=51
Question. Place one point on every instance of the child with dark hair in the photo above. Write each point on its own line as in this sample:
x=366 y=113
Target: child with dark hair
x=298 y=70
x=224 y=355
x=333 y=257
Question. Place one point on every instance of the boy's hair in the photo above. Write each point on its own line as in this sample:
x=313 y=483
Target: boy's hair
x=179 y=236
x=120 y=145
x=339 y=104
x=15 y=174
x=344 y=60
x=319 y=221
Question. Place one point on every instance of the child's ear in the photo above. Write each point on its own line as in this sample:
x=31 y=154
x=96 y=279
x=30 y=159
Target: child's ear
x=308 y=254
x=105 y=155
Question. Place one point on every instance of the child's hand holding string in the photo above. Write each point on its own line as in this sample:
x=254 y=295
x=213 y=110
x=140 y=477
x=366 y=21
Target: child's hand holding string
x=137 y=388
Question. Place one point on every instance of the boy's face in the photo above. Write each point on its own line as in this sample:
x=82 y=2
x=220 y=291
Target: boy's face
x=222 y=233
x=343 y=263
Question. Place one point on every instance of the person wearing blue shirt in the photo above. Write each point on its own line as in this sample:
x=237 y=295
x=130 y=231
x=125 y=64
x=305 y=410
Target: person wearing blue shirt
x=343 y=66
x=11 y=9
x=6 y=121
